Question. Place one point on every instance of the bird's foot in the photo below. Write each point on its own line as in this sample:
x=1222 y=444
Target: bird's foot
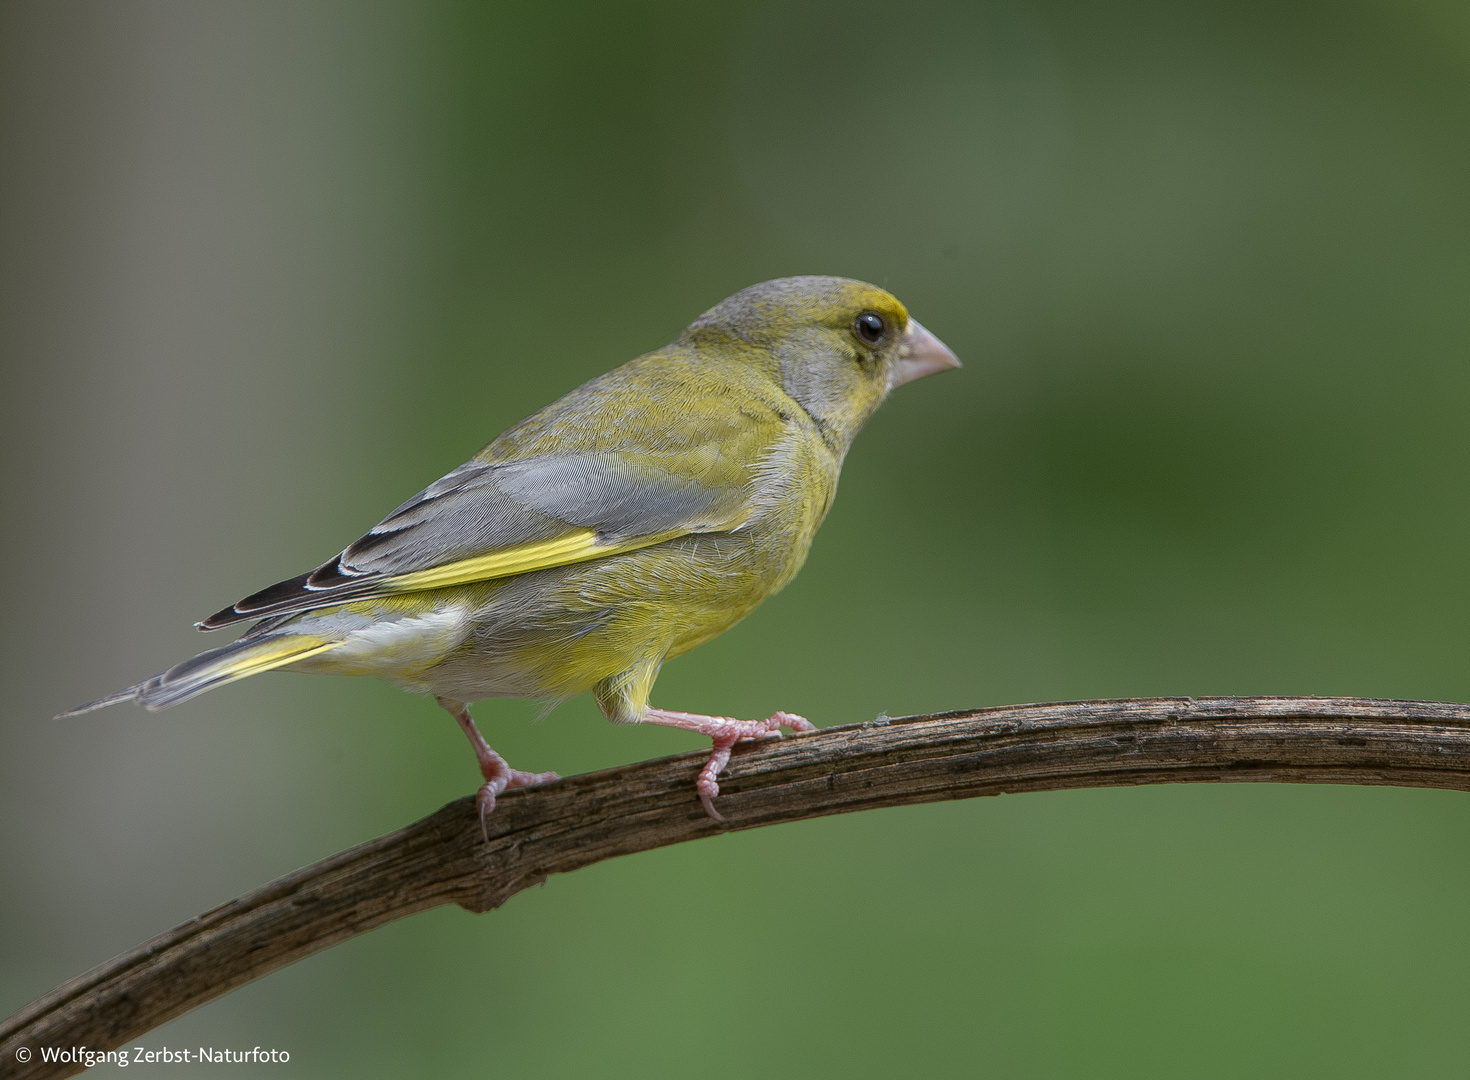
x=498 y=774
x=725 y=732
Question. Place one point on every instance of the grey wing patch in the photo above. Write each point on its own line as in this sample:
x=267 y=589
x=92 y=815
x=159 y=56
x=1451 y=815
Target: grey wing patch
x=459 y=515
x=482 y=506
x=465 y=513
x=613 y=494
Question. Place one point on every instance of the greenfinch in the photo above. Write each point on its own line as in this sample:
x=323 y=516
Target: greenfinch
x=636 y=518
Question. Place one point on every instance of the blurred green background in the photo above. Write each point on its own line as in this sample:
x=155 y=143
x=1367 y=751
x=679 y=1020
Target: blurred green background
x=266 y=269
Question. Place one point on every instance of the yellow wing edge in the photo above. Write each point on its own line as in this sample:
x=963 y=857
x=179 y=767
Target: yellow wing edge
x=579 y=546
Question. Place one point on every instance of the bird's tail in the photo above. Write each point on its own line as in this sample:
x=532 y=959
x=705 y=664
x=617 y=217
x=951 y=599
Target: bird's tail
x=248 y=656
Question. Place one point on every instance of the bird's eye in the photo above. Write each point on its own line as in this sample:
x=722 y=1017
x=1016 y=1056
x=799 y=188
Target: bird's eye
x=871 y=327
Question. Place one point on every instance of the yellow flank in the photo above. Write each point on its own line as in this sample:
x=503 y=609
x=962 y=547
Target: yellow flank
x=575 y=547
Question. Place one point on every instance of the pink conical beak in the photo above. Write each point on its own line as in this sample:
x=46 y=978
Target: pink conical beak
x=920 y=354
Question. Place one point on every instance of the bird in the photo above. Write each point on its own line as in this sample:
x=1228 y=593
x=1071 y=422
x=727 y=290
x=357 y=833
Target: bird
x=630 y=521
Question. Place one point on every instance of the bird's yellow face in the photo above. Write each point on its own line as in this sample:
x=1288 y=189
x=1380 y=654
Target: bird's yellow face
x=835 y=345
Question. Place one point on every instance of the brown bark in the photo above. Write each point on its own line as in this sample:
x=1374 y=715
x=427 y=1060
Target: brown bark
x=582 y=820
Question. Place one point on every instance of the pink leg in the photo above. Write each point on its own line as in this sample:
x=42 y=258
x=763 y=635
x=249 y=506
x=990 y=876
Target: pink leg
x=498 y=774
x=726 y=733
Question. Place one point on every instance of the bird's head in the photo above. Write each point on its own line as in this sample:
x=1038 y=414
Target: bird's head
x=835 y=345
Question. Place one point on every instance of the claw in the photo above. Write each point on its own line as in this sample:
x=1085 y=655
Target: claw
x=725 y=732
x=486 y=803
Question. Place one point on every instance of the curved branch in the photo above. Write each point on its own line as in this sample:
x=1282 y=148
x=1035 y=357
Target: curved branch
x=582 y=820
